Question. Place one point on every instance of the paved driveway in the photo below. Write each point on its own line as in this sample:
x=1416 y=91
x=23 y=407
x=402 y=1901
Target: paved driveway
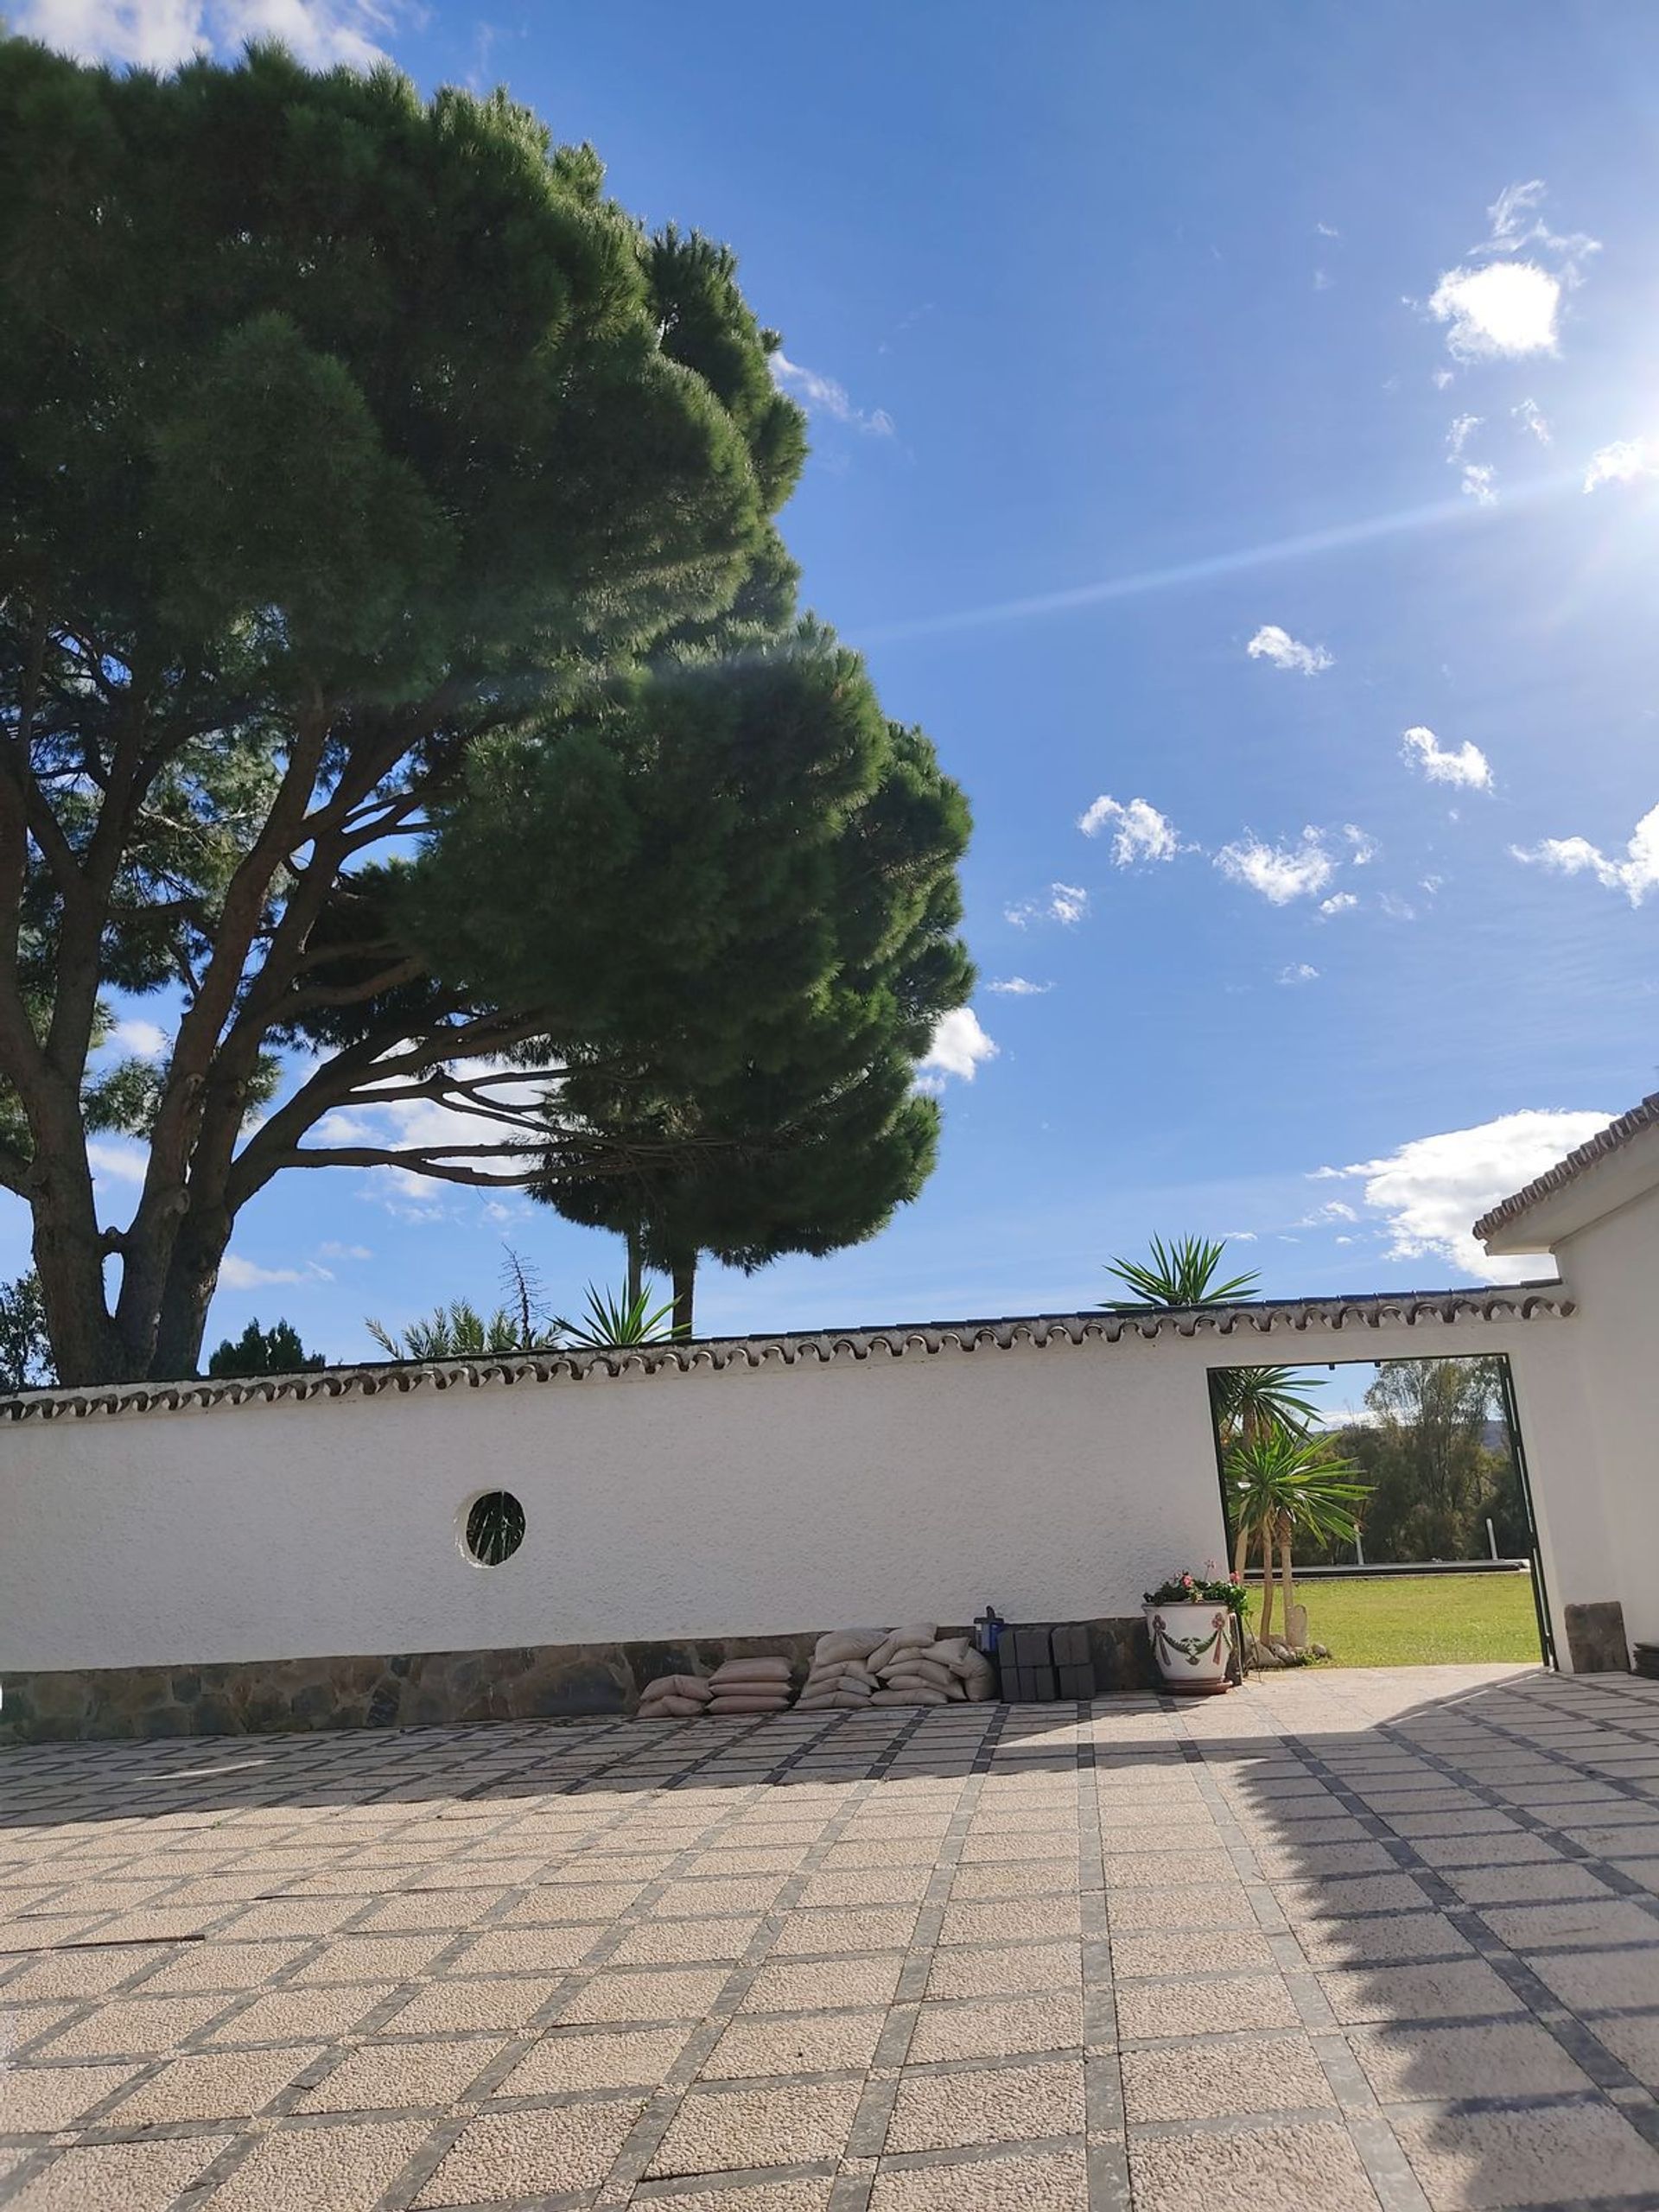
x=1341 y=1940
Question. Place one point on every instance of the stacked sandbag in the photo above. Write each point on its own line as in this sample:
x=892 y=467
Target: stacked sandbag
x=840 y=1678
x=919 y=1667
x=750 y=1685
x=674 y=1697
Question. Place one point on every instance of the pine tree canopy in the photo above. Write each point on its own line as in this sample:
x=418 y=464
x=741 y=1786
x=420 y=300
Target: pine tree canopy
x=398 y=658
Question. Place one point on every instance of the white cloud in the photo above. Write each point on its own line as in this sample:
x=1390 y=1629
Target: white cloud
x=1480 y=483
x=1510 y=231
x=160 y=34
x=1272 y=644
x=1364 y=847
x=1625 y=461
x=235 y=1274
x=822 y=394
x=1016 y=987
x=1443 y=377
x=1459 y=434
x=1064 y=902
x=1396 y=909
x=1635 y=875
x=1339 y=902
x=1299 y=972
x=1141 y=833
x=117 y=1160
x=1531 y=416
x=1431 y=1190
x=959 y=1046
x=1468 y=765
x=141 y=1041
x=1279 y=873
x=333 y=1251
x=1501 y=311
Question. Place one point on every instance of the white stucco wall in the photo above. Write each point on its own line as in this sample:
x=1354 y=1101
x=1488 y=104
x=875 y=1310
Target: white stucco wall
x=1613 y=1267
x=1056 y=1482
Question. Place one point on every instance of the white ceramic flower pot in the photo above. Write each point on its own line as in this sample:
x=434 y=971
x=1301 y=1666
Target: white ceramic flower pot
x=1193 y=1645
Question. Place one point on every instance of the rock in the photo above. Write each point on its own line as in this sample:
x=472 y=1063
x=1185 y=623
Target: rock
x=1320 y=1650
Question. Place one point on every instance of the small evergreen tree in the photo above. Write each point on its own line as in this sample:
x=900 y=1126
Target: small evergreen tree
x=275 y=1351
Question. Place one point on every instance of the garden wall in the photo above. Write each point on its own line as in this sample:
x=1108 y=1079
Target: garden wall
x=264 y=1554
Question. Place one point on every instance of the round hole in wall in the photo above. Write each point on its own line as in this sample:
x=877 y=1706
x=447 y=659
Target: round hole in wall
x=494 y=1528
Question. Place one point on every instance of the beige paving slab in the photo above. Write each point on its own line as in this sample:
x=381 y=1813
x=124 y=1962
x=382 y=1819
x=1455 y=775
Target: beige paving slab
x=137 y=2177
x=1478 y=2160
x=532 y=2154
x=939 y=2112
x=720 y=2130
x=346 y=2166
x=392 y=2076
x=1241 y=2074
x=217 y=2085
x=1046 y=2182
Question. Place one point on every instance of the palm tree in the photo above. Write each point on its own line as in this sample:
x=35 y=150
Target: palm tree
x=1248 y=1402
x=1182 y=1273
x=1284 y=1482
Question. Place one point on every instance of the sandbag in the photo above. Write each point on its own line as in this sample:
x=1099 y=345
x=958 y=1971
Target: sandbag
x=896 y=1640
x=847 y=1643
x=949 y=1652
x=847 y=1671
x=978 y=1678
x=958 y=1690
x=776 y=1670
x=670 y=1707
x=835 y=1700
x=919 y=1694
x=677 y=1686
x=910 y=1667
x=755 y=1701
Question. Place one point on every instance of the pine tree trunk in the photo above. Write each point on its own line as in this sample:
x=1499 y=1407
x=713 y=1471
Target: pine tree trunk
x=684 y=1274
x=187 y=1292
x=636 y=1267
x=87 y=1346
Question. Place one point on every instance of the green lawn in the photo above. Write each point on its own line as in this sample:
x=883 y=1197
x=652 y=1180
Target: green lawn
x=1420 y=1620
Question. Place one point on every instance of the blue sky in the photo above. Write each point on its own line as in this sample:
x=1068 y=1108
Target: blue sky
x=1202 y=399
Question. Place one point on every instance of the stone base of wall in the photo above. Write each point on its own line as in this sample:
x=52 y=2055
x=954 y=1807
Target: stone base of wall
x=1596 y=1642
x=419 y=1689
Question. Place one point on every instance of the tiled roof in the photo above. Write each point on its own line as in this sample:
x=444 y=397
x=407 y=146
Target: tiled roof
x=1427 y=1310
x=1612 y=1139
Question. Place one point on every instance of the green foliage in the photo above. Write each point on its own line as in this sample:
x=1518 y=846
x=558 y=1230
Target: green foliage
x=459 y=1331
x=25 y=1346
x=1181 y=1274
x=1283 y=1484
x=739 y=880
x=1246 y=1399
x=612 y=1321
x=275 y=1351
x=348 y=437
x=1434 y=1473
x=1211 y=1587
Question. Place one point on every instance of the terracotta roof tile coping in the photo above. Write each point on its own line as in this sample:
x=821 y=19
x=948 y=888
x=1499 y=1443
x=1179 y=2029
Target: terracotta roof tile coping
x=1261 y=1316
x=1612 y=1139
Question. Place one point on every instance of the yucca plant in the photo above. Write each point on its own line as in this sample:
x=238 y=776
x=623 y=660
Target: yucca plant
x=615 y=1320
x=1181 y=1273
x=1283 y=1483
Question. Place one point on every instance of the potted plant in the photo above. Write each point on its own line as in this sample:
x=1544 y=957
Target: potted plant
x=1189 y=1620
